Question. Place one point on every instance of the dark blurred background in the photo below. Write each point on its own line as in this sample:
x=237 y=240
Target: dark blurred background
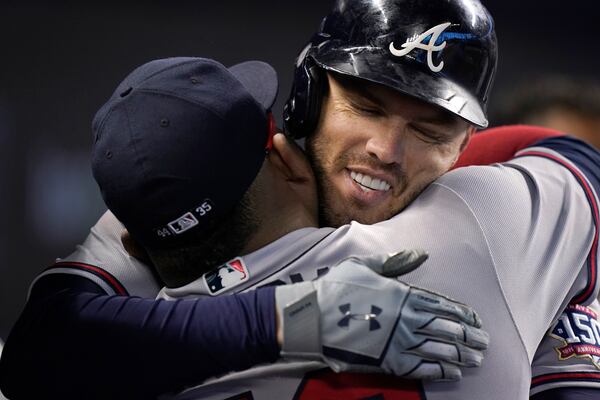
x=61 y=61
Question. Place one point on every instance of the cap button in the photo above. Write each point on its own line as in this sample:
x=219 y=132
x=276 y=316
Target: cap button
x=164 y=122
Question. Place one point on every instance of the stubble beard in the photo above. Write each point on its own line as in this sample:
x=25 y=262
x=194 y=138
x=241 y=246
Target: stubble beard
x=334 y=214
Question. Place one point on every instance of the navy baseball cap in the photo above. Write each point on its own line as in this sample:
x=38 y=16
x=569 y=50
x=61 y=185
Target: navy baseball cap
x=179 y=142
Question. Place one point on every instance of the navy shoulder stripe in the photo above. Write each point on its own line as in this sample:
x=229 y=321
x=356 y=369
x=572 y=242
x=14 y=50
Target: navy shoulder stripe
x=584 y=156
x=576 y=376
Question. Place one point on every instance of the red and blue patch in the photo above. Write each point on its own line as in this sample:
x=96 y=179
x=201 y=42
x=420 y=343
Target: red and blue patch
x=578 y=329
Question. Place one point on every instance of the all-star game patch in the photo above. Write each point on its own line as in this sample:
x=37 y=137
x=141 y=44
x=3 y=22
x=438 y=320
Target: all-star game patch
x=227 y=276
x=578 y=329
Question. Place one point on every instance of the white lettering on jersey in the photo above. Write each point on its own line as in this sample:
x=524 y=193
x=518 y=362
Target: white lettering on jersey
x=578 y=331
x=430 y=37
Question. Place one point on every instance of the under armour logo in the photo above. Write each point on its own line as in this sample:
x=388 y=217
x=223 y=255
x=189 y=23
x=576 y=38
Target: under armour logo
x=373 y=324
x=424 y=41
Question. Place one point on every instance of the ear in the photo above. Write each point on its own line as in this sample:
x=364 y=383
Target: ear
x=134 y=248
x=467 y=139
x=290 y=160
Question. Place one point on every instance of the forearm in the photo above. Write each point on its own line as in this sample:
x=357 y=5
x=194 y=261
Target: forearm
x=79 y=343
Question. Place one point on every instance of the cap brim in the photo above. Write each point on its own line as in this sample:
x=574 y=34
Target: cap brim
x=260 y=79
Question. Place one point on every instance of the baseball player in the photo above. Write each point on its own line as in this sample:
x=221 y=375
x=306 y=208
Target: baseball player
x=426 y=59
x=199 y=100
x=308 y=379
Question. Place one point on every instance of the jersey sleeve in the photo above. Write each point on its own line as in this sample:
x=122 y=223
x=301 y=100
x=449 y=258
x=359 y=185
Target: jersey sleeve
x=72 y=341
x=103 y=260
x=538 y=215
x=583 y=162
x=569 y=354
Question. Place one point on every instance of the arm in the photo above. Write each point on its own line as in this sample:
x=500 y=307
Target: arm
x=74 y=341
x=575 y=377
x=553 y=378
x=501 y=144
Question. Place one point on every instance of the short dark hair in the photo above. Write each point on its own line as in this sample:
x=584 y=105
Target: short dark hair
x=209 y=247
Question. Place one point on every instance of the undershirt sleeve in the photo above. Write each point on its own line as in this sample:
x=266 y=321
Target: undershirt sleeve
x=500 y=144
x=73 y=341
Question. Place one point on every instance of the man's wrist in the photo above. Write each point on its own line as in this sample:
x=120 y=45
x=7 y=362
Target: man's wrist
x=299 y=320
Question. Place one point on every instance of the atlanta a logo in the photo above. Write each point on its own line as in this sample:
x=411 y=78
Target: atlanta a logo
x=425 y=41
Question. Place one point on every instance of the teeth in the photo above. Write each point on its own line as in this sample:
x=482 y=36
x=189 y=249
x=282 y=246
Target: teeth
x=368 y=183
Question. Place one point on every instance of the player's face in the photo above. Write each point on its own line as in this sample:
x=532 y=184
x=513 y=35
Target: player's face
x=374 y=150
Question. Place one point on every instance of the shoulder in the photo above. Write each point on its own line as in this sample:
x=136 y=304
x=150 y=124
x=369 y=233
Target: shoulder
x=102 y=259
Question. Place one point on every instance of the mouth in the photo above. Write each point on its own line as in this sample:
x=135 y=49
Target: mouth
x=369 y=183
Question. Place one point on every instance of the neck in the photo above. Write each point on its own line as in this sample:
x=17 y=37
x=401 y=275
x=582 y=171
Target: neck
x=278 y=222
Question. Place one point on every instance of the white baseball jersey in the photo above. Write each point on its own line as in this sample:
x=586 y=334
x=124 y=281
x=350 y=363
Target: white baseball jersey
x=103 y=260
x=512 y=240
x=569 y=355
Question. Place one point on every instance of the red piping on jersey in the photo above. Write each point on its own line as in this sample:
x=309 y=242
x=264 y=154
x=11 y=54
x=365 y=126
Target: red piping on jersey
x=111 y=280
x=592 y=200
x=538 y=380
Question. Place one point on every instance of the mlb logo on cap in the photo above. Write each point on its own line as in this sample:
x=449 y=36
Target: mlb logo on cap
x=164 y=141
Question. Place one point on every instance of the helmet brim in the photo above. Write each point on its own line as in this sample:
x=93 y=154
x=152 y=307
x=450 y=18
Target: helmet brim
x=374 y=65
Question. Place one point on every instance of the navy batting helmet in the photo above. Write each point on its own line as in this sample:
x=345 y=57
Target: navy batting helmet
x=440 y=51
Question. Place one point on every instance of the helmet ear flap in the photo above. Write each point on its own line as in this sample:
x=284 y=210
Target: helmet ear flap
x=301 y=111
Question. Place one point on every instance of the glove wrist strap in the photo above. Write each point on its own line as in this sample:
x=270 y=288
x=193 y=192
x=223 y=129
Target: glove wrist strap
x=299 y=314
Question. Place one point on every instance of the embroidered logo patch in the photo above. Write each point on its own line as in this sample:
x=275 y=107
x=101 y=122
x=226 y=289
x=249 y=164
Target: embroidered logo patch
x=183 y=223
x=371 y=317
x=425 y=41
x=579 y=331
x=186 y=222
x=227 y=276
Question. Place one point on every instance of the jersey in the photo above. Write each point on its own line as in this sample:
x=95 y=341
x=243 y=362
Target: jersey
x=569 y=355
x=518 y=241
x=96 y=260
x=103 y=260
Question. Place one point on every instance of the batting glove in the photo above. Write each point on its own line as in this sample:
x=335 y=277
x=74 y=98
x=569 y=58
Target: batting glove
x=359 y=317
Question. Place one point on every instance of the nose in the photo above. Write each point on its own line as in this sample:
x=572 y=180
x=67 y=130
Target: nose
x=386 y=145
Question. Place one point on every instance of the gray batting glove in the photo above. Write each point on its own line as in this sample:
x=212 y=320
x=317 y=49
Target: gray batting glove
x=359 y=317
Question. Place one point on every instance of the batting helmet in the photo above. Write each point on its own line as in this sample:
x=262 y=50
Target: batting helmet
x=440 y=51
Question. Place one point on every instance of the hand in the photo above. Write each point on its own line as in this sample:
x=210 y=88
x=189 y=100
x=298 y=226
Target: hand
x=359 y=317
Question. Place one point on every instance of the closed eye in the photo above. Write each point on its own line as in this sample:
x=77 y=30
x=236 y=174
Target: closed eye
x=429 y=136
x=367 y=110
